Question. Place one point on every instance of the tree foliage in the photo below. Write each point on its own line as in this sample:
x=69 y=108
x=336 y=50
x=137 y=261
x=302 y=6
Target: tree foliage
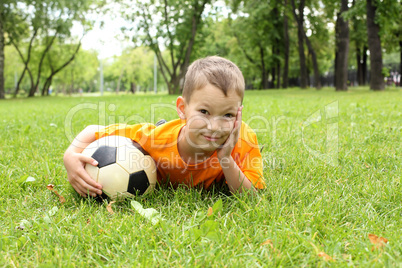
x=41 y=24
x=170 y=24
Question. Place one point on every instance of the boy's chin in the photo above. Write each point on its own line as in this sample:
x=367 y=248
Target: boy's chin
x=208 y=148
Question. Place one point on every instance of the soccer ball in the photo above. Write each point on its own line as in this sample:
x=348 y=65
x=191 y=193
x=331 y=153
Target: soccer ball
x=124 y=168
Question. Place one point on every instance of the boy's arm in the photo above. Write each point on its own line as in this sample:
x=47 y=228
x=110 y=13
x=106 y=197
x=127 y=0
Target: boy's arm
x=75 y=162
x=235 y=178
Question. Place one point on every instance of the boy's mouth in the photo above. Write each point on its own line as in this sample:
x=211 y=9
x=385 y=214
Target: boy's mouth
x=209 y=138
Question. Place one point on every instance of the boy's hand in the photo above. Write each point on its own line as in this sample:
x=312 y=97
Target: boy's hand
x=227 y=147
x=77 y=175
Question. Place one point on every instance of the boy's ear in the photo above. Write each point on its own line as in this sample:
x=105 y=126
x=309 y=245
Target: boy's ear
x=180 y=107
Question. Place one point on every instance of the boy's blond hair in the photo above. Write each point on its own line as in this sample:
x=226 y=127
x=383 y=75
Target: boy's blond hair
x=214 y=70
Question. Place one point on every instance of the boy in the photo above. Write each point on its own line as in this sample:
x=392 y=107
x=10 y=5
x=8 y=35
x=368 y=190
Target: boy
x=209 y=142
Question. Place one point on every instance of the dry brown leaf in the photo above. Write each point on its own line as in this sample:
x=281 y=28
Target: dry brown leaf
x=210 y=211
x=62 y=199
x=100 y=231
x=325 y=256
x=379 y=242
x=88 y=221
x=51 y=188
x=109 y=207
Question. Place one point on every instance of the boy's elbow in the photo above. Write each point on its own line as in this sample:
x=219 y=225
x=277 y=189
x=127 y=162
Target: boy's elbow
x=94 y=128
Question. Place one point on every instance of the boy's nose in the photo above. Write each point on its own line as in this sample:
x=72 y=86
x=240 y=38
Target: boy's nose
x=217 y=124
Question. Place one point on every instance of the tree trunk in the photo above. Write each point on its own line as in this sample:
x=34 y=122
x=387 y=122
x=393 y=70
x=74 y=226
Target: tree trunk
x=182 y=61
x=132 y=87
x=286 y=47
x=26 y=62
x=364 y=65
x=48 y=46
x=2 y=58
x=400 y=60
x=264 y=72
x=317 y=82
x=48 y=82
x=360 y=78
x=278 y=68
x=273 y=81
x=374 y=43
x=119 y=81
x=342 y=50
x=300 y=36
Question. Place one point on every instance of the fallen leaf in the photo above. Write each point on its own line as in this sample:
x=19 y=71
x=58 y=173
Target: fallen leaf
x=109 y=207
x=100 y=231
x=51 y=188
x=30 y=179
x=379 y=242
x=62 y=199
x=268 y=242
x=88 y=221
x=325 y=256
x=271 y=245
x=210 y=211
x=150 y=214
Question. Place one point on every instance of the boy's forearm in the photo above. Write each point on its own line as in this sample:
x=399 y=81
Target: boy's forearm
x=84 y=138
x=235 y=178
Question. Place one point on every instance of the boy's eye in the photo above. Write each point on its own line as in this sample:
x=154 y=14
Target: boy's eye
x=203 y=111
x=229 y=115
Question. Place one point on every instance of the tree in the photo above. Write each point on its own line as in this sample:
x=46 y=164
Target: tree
x=389 y=19
x=54 y=70
x=43 y=22
x=286 y=46
x=8 y=24
x=82 y=72
x=2 y=59
x=300 y=38
x=356 y=15
x=175 y=24
x=258 y=29
x=374 y=44
x=131 y=70
x=342 y=49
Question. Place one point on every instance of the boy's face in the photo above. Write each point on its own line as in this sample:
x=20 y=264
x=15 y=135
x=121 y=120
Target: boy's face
x=210 y=117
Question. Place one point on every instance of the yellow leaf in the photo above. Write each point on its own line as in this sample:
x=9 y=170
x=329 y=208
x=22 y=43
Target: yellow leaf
x=210 y=211
x=325 y=256
x=378 y=242
x=109 y=207
x=268 y=242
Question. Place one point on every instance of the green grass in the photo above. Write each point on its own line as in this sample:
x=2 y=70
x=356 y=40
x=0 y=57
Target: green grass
x=321 y=197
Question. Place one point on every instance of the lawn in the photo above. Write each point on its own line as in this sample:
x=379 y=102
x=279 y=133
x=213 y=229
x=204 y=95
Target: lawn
x=332 y=163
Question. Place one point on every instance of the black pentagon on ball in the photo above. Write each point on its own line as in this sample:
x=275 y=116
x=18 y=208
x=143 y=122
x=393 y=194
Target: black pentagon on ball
x=105 y=155
x=138 y=183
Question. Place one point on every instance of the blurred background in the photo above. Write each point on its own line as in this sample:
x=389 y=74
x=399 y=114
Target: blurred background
x=96 y=47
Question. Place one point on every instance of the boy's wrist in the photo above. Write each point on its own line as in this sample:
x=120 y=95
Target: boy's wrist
x=226 y=161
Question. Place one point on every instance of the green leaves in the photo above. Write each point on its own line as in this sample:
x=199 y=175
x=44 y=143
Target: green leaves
x=150 y=214
x=207 y=226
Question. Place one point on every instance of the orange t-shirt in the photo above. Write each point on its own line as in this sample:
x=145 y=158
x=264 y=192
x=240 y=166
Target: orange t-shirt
x=161 y=143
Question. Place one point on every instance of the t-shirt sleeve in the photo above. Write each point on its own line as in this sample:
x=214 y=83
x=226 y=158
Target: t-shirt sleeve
x=139 y=133
x=249 y=158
